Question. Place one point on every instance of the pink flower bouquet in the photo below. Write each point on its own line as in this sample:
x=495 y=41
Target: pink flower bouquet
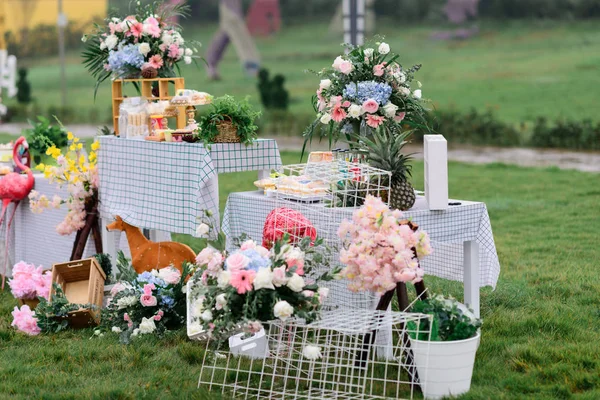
x=30 y=282
x=378 y=250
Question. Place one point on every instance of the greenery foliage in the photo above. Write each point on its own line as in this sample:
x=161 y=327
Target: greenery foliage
x=23 y=87
x=450 y=322
x=105 y=263
x=224 y=109
x=579 y=135
x=42 y=135
x=52 y=316
x=272 y=91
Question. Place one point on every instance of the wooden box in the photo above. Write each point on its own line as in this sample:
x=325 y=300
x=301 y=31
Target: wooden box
x=82 y=281
x=165 y=86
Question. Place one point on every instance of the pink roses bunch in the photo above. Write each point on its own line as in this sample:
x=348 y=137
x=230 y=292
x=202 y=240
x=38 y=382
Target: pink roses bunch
x=25 y=321
x=378 y=251
x=29 y=281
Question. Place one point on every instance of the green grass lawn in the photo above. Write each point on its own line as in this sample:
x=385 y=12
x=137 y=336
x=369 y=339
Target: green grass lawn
x=541 y=333
x=522 y=70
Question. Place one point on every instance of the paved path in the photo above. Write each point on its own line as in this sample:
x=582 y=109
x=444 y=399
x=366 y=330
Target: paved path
x=564 y=159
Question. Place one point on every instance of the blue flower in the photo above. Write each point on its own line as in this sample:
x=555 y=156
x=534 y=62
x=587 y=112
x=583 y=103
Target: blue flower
x=125 y=58
x=147 y=277
x=363 y=91
x=256 y=260
x=167 y=301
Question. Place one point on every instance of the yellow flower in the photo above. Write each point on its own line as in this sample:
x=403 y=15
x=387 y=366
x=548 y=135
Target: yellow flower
x=79 y=146
x=40 y=167
x=95 y=145
x=53 y=151
x=92 y=157
x=73 y=147
x=70 y=135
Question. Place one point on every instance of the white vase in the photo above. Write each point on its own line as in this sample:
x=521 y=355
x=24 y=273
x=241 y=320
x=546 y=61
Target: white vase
x=445 y=368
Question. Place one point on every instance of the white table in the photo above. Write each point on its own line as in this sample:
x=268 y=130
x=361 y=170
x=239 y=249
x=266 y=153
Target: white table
x=461 y=237
x=165 y=187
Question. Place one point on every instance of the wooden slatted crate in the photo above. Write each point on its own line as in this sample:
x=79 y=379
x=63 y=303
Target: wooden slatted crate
x=145 y=86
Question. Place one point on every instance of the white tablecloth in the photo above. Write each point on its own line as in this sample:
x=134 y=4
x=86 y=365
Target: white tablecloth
x=246 y=212
x=167 y=186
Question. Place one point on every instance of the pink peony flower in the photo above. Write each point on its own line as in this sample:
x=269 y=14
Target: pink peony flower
x=148 y=300
x=115 y=27
x=148 y=288
x=173 y=51
x=156 y=61
x=371 y=106
x=151 y=27
x=159 y=315
x=346 y=104
x=308 y=293
x=379 y=69
x=44 y=284
x=24 y=320
x=248 y=245
x=170 y=275
x=374 y=120
x=400 y=116
x=242 y=280
x=237 y=261
x=338 y=113
x=118 y=287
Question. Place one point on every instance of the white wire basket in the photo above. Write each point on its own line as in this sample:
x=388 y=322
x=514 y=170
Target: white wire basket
x=338 y=357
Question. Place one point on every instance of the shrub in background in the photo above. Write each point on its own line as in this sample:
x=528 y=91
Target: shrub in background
x=23 y=87
x=42 y=135
x=272 y=91
x=578 y=135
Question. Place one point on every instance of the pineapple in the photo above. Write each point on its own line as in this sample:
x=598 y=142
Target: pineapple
x=384 y=150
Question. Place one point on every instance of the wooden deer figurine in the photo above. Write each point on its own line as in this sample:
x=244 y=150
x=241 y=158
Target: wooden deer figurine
x=147 y=255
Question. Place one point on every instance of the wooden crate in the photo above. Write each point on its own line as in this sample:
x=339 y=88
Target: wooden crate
x=145 y=86
x=82 y=281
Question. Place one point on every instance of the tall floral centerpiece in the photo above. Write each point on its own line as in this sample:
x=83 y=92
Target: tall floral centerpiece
x=365 y=89
x=79 y=175
x=141 y=44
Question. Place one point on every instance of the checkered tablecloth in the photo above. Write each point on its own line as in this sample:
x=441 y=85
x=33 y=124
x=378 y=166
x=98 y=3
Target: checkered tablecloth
x=166 y=186
x=246 y=213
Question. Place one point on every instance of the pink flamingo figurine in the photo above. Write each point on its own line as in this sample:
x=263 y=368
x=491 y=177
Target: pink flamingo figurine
x=14 y=188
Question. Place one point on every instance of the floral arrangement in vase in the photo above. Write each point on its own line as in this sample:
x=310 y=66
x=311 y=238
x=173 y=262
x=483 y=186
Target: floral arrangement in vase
x=253 y=285
x=141 y=44
x=80 y=176
x=380 y=249
x=365 y=89
x=30 y=282
x=149 y=303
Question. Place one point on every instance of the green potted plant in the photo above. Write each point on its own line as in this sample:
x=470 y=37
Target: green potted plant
x=229 y=121
x=444 y=359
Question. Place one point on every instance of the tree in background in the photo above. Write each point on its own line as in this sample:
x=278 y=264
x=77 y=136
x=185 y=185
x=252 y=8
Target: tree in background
x=23 y=87
x=273 y=94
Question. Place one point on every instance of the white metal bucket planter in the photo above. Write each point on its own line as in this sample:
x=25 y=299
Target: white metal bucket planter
x=445 y=368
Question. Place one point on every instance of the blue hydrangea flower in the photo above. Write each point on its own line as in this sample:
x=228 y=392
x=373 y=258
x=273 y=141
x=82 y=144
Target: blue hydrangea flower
x=125 y=58
x=167 y=301
x=147 y=277
x=363 y=91
x=256 y=261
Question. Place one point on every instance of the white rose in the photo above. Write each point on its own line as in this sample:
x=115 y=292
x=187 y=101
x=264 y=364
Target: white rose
x=97 y=332
x=404 y=91
x=221 y=300
x=223 y=279
x=384 y=48
x=207 y=316
x=337 y=62
x=102 y=45
x=325 y=118
x=325 y=83
x=144 y=49
x=390 y=110
x=116 y=329
x=202 y=230
x=355 y=110
x=400 y=76
x=369 y=52
x=187 y=60
x=167 y=39
x=126 y=302
x=189 y=52
x=323 y=292
x=279 y=276
x=311 y=352
x=283 y=310
x=147 y=325
x=111 y=41
x=264 y=279
x=135 y=332
x=417 y=94
x=296 y=283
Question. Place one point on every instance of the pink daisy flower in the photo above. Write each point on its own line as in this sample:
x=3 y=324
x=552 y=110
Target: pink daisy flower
x=338 y=114
x=374 y=120
x=136 y=30
x=156 y=61
x=242 y=280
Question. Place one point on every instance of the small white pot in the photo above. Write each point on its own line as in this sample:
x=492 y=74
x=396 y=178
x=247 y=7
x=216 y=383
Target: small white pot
x=445 y=368
x=255 y=346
